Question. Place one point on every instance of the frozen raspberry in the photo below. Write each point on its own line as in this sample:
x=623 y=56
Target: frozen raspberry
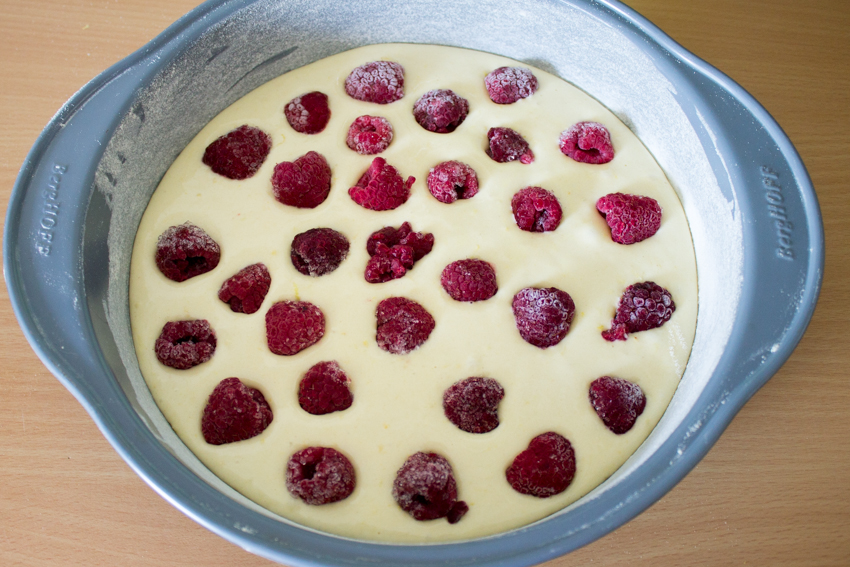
x=473 y=404
x=536 y=209
x=381 y=188
x=469 y=280
x=389 y=263
x=506 y=85
x=184 y=344
x=543 y=315
x=318 y=251
x=425 y=488
x=545 y=469
x=324 y=389
x=308 y=113
x=632 y=218
x=234 y=412
x=618 y=402
x=320 y=475
x=369 y=135
x=452 y=180
x=303 y=183
x=643 y=306
x=239 y=153
x=402 y=325
x=292 y=326
x=440 y=111
x=186 y=251
x=381 y=82
x=420 y=242
x=246 y=290
x=508 y=145
x=587 y=142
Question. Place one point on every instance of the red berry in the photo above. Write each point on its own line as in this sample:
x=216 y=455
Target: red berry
x=184 y=344
x=308 y=113
x=545 y=469
x=507 y=85
x=508 y=145
x=381 y=188
x=324 y=389
x=440 y=111
x=618 y=402
x=234 y=412
x=304 y=183
x=318 y=251
x=473 y=404
x=536 y=209
x=469 y=280
x=380 y=82
x=421 y=242
x=632 y=218
x=389 y=263
x=587 y=142
x=292 y=326
x=402 y=325
x=320 y=475
x=543 y=315
x=425 y=488
x=246 y=290
x=239 y=153
x=452 y=180
x=643 y=306
x=369 y=135
x=186 y=251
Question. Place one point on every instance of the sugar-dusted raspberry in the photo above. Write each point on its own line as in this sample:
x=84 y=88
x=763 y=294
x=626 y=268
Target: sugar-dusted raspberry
x=246 y=290
x=234 y=412
x=184 y=344
x=452 y=180
x=308 y=113
x=325 y=388
x=318 y=251
x=420 y=242
x=508 y=145
x=369 y=135
x=536 y=209
x=643 y=306
x=381 y=82
x=381 y=188
x=320 y=475
x=507 y=85
x=618 y=402
x=632 y=218
x=473 y=404
x=239 y=153
x=402 y=325
x=543 y=315
x=292 y=326
x=304 y=183
x=389 y=263
x=545 y=468
x=587 y=142
x=469 y=280
x=186 y=251
x=440 y=111
x=425 y=488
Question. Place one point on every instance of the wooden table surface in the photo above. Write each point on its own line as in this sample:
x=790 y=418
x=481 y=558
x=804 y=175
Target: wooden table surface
x=775 y=490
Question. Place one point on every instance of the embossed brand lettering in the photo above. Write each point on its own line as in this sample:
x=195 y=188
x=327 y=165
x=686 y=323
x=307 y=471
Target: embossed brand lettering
x=50 y=210
x=775 y=208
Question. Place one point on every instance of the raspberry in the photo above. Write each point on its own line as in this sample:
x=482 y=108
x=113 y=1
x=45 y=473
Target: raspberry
x=308 y=113
x=469 y=280
x=318 y=251
x=545 y=469
x=389 y=263
x=508 y=145
x=632 y=218
x=643 y=306
x=440 y=111
x=324 y=389
x=320 y=475
x=292 y=326
x=303 y=183
x=369 y=135
x=425 y=488
x=246 y=290
x=186 y=251
x=506 y=85
x=239 y=153
x=184 y=344
x=472 y=404
x=452 y=180
x=381 y=188
x=618 y=402
x=543 y=315
x=421 y=242
x=587 y=142
x=402 y=325
x=381 y=82
x=536 y=209
x=234 y=412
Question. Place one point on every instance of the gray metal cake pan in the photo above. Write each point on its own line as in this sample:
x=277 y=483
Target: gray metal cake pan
x=74 y=211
